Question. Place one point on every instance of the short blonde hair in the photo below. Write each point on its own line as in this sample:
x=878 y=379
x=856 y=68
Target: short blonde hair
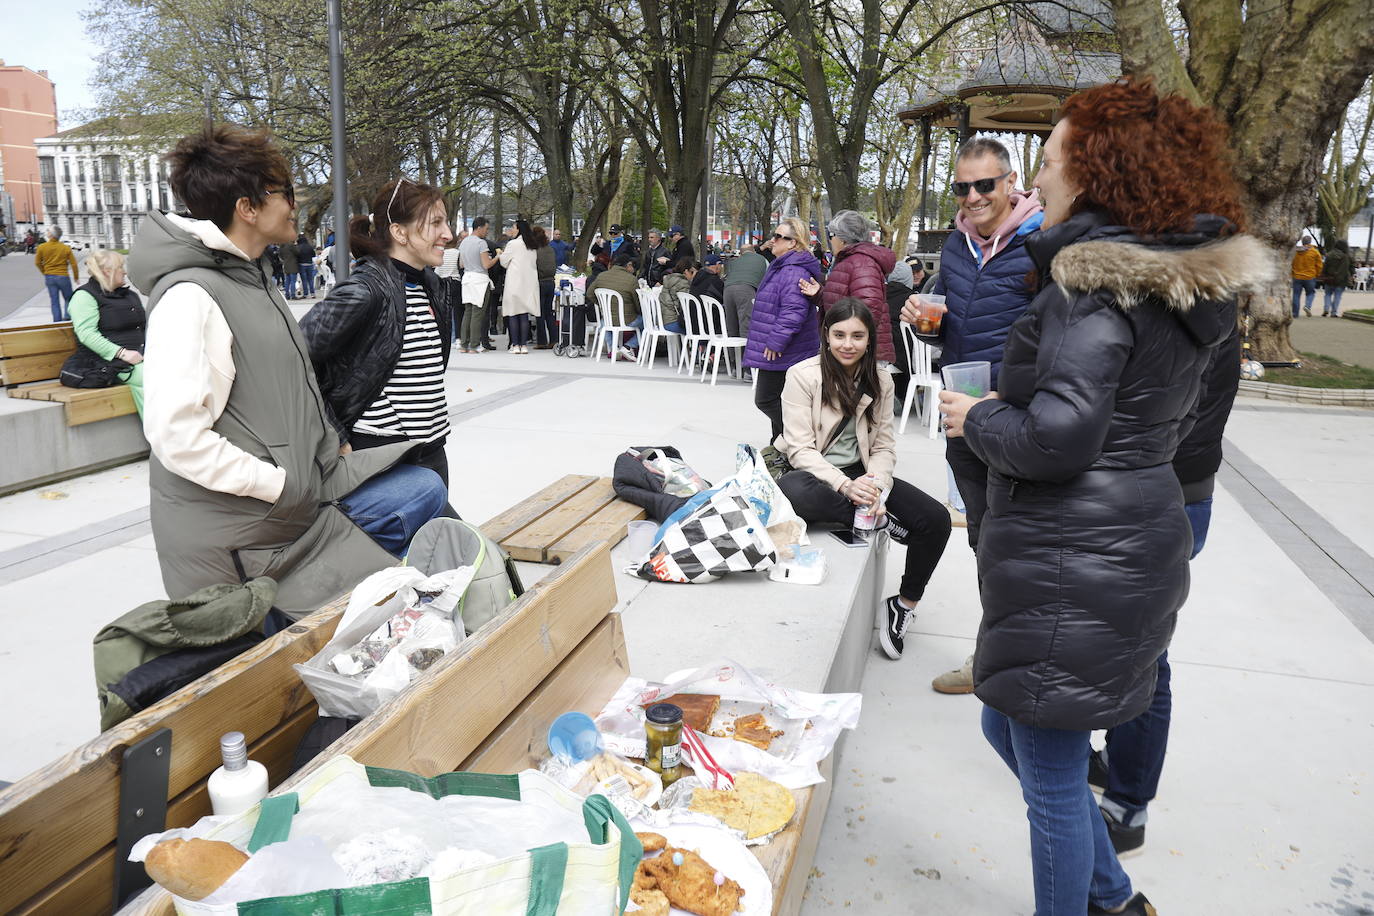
x=101 y=264
x=799 y=231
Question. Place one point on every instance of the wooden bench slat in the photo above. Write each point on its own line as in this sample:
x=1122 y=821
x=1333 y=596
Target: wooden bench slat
x=533 y=542
x=608 y=524
x=54 y=820
x=30 y=341
x=116 y=401
x=37 y=368
x=40 y=392
x=582 y=682
x=500 y=528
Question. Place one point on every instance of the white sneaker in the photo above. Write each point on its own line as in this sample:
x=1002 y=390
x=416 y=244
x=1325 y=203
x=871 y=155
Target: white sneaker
x=624 y=353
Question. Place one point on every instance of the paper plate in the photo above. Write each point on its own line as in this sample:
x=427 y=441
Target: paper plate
x=728 y=855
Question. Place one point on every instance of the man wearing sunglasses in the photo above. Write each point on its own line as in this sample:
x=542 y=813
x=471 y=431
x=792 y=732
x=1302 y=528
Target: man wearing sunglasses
x=983 y=270
x=247 y=476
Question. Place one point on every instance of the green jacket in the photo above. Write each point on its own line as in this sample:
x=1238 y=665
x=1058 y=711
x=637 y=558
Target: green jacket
x=621 y=281
x=1338 y=269
x=747 y=269
x=212 y=617
x=673 y=284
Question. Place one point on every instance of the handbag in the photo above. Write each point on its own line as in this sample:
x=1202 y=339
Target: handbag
x=86 y=370
x=775 y=462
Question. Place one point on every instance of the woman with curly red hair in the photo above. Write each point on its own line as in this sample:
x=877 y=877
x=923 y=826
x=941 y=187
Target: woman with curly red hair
x=1084 y=551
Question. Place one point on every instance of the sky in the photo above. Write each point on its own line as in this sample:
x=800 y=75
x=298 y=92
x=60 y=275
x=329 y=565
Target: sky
x=51 y=36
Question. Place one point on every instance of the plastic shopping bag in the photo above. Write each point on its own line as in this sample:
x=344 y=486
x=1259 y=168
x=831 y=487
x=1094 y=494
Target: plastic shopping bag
x=714 y=533
x=678 y=478
x=770 y=504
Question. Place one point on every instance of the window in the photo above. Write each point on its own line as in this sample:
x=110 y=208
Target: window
x=69 y=199
x=95 y=172
x=71 y=225
x=85 y=225
x=49 y=197
x=81 y=171
x=66 y=171
x=112 y=196
x=111 y=167
x=83 y=200
x=46 y=169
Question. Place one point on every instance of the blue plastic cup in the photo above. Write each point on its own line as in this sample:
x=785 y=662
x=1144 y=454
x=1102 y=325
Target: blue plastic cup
x=574 y=736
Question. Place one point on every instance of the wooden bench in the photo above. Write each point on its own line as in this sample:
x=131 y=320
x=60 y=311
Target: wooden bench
x=31 y=360
x=561 y=519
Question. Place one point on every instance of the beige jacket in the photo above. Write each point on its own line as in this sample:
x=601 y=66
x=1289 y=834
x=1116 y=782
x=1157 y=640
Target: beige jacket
x=809 y=424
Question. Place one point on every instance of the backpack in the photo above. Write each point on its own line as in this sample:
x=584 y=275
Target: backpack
x=447 y=543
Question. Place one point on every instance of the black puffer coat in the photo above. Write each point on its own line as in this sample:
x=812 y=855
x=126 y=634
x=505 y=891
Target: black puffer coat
x=1084 y=549
x=355 y=335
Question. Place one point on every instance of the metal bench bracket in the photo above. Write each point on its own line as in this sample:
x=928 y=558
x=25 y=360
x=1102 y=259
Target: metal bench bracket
x=143 y=780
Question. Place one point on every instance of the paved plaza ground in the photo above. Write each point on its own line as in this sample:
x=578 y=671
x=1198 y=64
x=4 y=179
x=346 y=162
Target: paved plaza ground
x=1267 y=797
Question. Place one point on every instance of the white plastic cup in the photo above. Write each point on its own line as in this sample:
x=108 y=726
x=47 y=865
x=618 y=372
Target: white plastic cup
x=973 y=379
x=640 y=537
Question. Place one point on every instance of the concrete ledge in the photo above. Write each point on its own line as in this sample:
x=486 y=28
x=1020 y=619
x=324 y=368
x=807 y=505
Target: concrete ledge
x=46 y=449
x=1353 y=317
x=1348 y=397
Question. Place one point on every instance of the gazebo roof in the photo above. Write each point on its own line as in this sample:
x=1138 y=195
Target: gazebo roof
x=1019 y=84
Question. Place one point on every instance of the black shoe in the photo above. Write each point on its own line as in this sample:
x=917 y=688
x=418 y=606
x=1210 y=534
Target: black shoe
x=488 y=345
x=1136 y=906
x=1125 y=840
x=1097 y=770
x=892 y=627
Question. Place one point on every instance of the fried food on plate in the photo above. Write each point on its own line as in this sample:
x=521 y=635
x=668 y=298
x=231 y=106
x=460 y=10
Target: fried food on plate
x=652 y=842
x=691 y=886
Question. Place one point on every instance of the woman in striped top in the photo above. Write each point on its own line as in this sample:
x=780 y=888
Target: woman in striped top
x=380 y=340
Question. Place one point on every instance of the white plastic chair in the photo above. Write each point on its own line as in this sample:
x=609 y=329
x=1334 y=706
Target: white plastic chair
x=694 y=322
x=654 y=331
x=718 y=342
x=610 y=318
x=919 y=357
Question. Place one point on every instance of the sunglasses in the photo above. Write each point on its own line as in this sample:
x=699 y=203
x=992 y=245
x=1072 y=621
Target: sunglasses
x=288 y=192
x=779 y=236
x=982 y=185
x=399 y=182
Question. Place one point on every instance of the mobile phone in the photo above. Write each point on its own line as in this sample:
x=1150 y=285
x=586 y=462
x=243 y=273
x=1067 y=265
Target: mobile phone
x=848 y=538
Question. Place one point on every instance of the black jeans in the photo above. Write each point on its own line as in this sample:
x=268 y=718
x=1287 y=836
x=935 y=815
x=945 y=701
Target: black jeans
x=429 y=455
x=917 y=520
x=971 y=476
x=546 y=328
x=768 y=397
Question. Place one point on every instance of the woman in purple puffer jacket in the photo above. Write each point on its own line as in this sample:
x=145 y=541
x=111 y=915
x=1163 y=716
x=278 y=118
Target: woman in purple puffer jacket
x=784 y=328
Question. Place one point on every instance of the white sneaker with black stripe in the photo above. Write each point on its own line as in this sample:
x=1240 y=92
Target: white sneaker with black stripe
x=894 y=618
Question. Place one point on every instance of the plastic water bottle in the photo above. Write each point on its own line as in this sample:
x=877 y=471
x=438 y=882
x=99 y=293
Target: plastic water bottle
x=866 y=517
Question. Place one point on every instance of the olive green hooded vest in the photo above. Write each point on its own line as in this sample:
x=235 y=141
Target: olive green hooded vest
x=304 y=541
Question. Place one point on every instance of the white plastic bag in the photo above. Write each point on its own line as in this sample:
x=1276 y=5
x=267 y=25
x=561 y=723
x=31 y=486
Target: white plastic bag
x=343 y=689
x=771 y=505
x=815 y=721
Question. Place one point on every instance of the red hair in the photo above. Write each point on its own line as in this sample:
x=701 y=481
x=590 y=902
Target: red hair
x=1153 y=162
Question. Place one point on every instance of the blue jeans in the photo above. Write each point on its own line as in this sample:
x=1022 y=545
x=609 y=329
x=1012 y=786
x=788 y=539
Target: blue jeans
x=1331 y=299
x=1072 y=859
x=59 y=294
x=1135 y=749
x=392 y=506
x=1298 y=287
x=290 y=286
x=307 y=279
x=676 y=327
x=632 y=341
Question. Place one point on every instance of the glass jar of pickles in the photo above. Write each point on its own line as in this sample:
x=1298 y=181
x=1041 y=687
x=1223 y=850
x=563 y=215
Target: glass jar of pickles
x=663 y=741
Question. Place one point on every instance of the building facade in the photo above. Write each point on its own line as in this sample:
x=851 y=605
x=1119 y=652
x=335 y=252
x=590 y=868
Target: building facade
x=99 y=181
x=28 y=110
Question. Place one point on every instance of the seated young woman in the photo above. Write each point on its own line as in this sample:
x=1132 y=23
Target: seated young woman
x=837 y=435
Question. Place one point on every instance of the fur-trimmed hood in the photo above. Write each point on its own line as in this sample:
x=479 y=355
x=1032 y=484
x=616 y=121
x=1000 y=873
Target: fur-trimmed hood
x=1196 y=275
x=1179 y=277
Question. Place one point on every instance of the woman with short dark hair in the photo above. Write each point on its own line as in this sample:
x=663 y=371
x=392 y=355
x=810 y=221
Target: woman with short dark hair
x=1083 y=555
x=381 y=339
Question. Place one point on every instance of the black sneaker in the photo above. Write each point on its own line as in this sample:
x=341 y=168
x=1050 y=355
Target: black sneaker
x=1126 y=841
x=1097 y=770
x=1138 y=905
x=892 y=627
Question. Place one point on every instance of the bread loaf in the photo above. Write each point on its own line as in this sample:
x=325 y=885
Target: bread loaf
x=193 y=869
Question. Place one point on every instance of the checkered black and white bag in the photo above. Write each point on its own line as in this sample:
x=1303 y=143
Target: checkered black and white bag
x=718 y=533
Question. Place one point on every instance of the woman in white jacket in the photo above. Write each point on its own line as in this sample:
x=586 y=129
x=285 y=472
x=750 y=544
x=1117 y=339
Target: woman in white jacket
x=521 y=299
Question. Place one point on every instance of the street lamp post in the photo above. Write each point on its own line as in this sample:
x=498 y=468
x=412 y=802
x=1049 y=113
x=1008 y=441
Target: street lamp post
x=336 y=123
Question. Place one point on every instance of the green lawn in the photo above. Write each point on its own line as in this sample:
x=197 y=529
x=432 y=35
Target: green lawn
x=1368 y=313
x=1319 y=371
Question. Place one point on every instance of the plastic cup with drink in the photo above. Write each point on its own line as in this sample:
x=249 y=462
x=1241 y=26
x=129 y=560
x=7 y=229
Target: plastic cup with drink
x=930 y=312
x=973 y=379
x=866 y=517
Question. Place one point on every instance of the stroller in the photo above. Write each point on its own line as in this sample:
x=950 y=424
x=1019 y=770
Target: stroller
x=569 y=298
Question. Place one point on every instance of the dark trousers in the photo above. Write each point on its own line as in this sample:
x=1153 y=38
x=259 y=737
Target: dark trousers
x=519 y=330
x=546 y=328
x=768 y=397
x=971 y=476
x=1135 y=749
x=916 y=520
x=429 y=455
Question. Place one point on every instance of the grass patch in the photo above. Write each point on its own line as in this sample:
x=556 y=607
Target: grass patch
x=1320 y=371
x=1368 y=313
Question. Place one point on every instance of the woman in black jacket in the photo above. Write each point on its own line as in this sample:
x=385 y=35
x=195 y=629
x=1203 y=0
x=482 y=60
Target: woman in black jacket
x=1083 y=558
x=380 y=340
